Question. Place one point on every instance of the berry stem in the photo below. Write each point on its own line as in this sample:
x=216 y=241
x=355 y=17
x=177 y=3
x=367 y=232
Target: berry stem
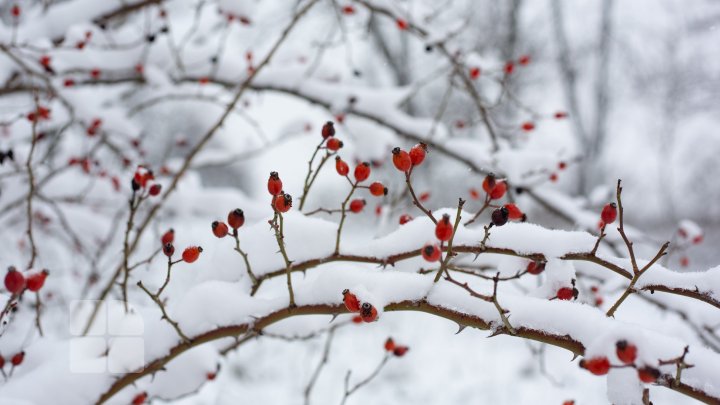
x=165 y=316
x=349 y=391
x=343 y=214
x=415 y=199
x=482 y=209
x=38 y=308
x=312 y=174
x=245 y=258
x=278 y=225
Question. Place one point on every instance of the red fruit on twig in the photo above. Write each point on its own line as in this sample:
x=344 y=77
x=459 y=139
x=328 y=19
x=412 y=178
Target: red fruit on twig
x=417 y=154
x=596 y=365
x=378 y=189
x=535 y=267
x=514 y=213
x=566 y=293
x=36 y=281
x=283 y=203
x=341 y=167
x=168 y=249
x=357 y=205
x=140 y=398
x=362 y=172
x=431 y=253
x=219 y=229
x=648 y=375
x=14 y=281
x=626 y=352
x=328 y=130
x=389 y=344
x=609 y=213
x=351 y=302
x=368 y=312
x=236 y=218
x=400 y=351
x=334 y=144
x=191 y=254
x=444 y=229
x=401 y=160
x=274 y=185
x=405 y=218
x=17 y=359
x=168 y=237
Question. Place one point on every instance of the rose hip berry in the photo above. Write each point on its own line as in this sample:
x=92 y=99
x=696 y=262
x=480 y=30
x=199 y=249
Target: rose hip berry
x=596 y=365
x=362 y=172
x=368 y=312
x=535 y=267
x=499 y=216
x=389 y=345
x=626 y=352
x=378 y=189
x=565 y=293
x=155 y=190
x=648 y=375
x=528 y=126
x=191 y=254
x=140 y=398
x=431 y=253
x=274 y=185
x=405 y=218
x=609 y=213
x=36 y=281
x=236 y=218
x=400 y=351
x=219 y=229
x=283 y=203
x=341 y=167
x=417 y=154
x=444 y=229
x=334 y=144
x=328 y=130
x=401 y=160
x=14 y=281
x=17 y=359
x=514 y=213
x=357 y=205
x=351 y=301
x=168 y=249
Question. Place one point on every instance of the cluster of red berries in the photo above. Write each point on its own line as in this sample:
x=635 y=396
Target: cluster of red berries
x=189 y=255
x=598 y=298
x=405 y=161
x=395 y=349
x=16 y=282
x=236 y=219
x=627 y=354
x=144 y=179
x=94 y=127
x=608 y=214
x=40 y=114
x=15 y=360
x=366 y=311
x=281 y=201
x=496 y=189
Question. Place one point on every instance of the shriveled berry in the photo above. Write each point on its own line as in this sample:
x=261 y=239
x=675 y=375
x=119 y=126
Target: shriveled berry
x=596 y=365
x=357 y=205
x=626 y=352
x=168 y=237
x=191 y=254
x=341 y=167
x=648 y=375
x=168 y=249
x=283 y=203
x=14 y=281
x=444 y=229
x=36 y=281
x=368 y=312
x=362 y=172
x=400 y=351
x=236 y=218
x=565 y=293
x=417 y=154
x=535 y=267
x=401 y=160
x=334 y=144
x=274 y=185
x=219 y=229
x=351 y=301
x=431 y=253
x=499 y=216
x=328 y=130
x=609 y=213
x=405 y=218
x=378 y=189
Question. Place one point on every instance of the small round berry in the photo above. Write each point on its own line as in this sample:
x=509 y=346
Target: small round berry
x=357 y=319
x=562 y=165
x=17 y=359
x=566 y=293
x=334 y=144
x=553 y=177
x=400 y=351
x=368 y=312
x=362 y=172
x=341 y=167
x=535 y=267
x=283 y=203
x=220 y=230
x=444 y=229
x=596 y=365
x=168 y=249
x=14 y=281
x=401 y=160
x=155 y=190
x=328 y=130
x=357 y=205
x=626 y=352
x=236 y=218
x=648 y=375
x=351 y=301
x=168 y=237
x=524 y=60
x=401 y=24
x=509 y=67
x=474 y=72
x=528 y=126
x=514 y=213
x=609 y=213
x=417 y=154
x=274 y=185
x=405 y=218
x=140 y=398
x=560 y=115
x=431 y=253
x=499 y=216
x=191 y=254
x=36 y=281
x=378 y=189
x=389 y=345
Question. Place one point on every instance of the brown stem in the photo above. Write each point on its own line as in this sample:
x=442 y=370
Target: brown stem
x=165 y=316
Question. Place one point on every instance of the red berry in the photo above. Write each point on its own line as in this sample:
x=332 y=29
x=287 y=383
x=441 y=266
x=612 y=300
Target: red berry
x=401 y=24
x=15 y=11
x=342 y=168
x=357 y=205
x=424 y=196
x=14 y=281
x=378 y=190
x=524 y=60
x=684 y=261
x=334 y=144
x=560 y=115
x=17 y=359
x=362 y=172
x=389 y=345
x=509 y=67
x=168 y=237
x=45 y=60
x=417 y=154
x=569 y=402
x=528 y=126
x=236 y=218
x=405 y=218
x=565 y=293
x=140 y=398
x=648 y=375
x=596 y=365
x=474 y=194
x=598 y=301
x=210 y=376
x=431 y=253
x=400 y=351
x=191 y=253
x=283 y=202
x=554 y=177
x=2 y=361
x=697 y=240
x=274 y=185
x=499 y=190
x=69 y=83
x=562 y=165
x=535 y=267
x=168 y=249
x=95 y=74
x=36 y=281
x=444 y=229
x=513 y=211
x=368 y=312
x=609 y=213
x=474 y=73
x=351 y=302
x=626 y=352
x=155 y=190
x=401 y=160
x=488 y=183
x=357 y=319
x=348 y=10
x=219 y=229
x=328 y=130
